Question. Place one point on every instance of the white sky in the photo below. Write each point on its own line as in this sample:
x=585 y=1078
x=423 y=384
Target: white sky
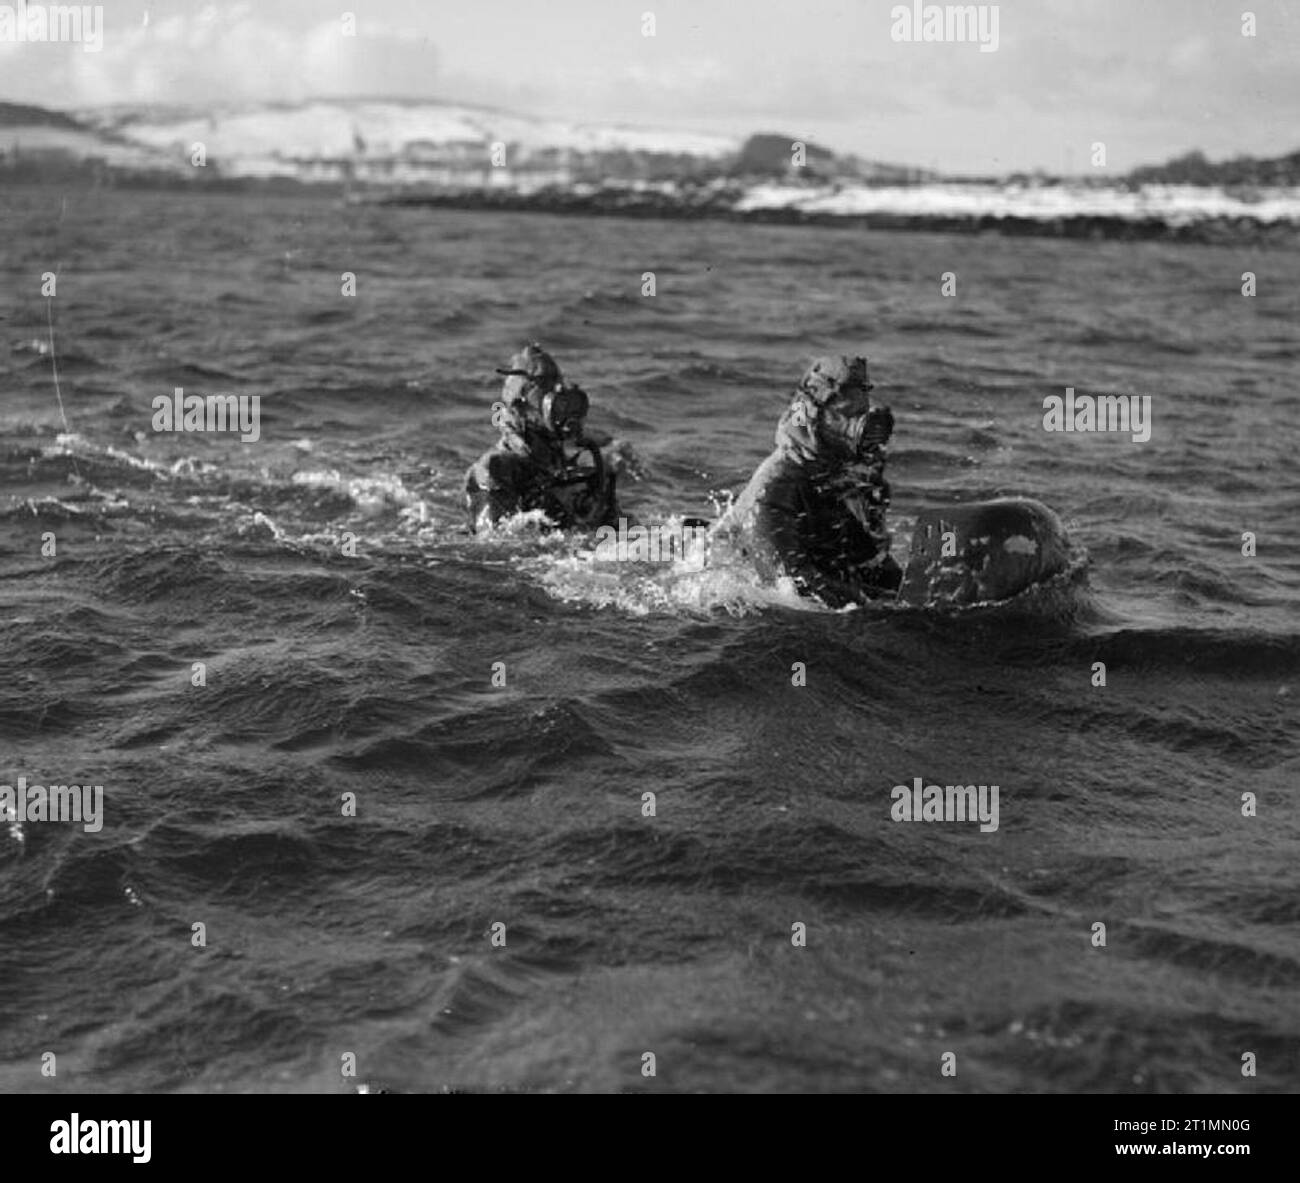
x=1149 y=78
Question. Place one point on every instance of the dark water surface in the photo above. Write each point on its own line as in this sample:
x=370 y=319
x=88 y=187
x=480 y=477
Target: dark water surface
x=328 y=674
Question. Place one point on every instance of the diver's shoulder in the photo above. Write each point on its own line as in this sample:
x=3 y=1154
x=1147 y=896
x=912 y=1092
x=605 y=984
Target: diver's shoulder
x=499 y=463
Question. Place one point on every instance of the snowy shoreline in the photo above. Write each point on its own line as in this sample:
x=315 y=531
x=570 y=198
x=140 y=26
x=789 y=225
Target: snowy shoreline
x=1177 y=213
x=450 y=156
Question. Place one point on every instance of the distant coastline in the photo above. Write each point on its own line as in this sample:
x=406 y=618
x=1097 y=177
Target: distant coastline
x=442 y=156
x=1000 y=214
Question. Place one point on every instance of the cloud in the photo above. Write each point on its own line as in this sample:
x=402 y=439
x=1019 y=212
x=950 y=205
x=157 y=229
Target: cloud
x=229 y=54
x=1149 y=79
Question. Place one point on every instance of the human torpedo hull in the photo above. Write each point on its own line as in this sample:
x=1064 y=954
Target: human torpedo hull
x=983 y=551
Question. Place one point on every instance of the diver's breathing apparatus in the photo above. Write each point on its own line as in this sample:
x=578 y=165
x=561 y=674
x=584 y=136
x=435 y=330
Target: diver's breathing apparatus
x=561 y=412
x=564 y=409
x=867 y=434
x=575 y=473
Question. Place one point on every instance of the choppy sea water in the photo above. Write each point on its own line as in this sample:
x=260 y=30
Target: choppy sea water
x=477 y=805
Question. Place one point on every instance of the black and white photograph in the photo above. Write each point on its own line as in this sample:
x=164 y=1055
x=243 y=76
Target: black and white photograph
x=659 y=547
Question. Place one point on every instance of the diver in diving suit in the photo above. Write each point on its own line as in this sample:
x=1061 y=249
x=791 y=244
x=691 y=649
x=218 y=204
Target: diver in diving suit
x=815 y=511
x=535 y=463
x=815 y=508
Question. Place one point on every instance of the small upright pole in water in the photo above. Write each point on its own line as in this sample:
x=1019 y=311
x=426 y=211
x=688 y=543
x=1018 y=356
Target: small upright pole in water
x=54 y=366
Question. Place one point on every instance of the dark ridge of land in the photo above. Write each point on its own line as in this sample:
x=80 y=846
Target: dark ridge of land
x=1242 y=171
x=21 y=115
x=713 y=204
x=700 y=203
